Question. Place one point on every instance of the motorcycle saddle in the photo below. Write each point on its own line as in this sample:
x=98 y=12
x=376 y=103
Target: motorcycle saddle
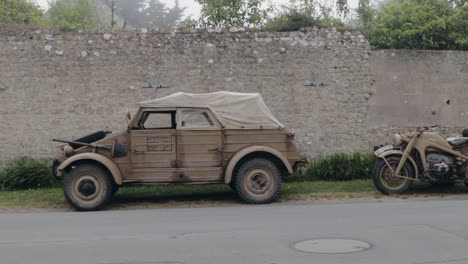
x=456 y=142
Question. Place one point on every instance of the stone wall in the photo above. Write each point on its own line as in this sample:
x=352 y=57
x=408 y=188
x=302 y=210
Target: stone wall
x=417 y=88
x=415 y=84
x=66 y=84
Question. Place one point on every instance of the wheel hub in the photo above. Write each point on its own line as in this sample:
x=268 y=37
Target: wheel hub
x=87 y=188
x=389 y=179
x=259 y=181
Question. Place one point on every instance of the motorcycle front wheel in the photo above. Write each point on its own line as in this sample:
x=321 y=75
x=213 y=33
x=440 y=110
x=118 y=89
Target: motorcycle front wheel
x=386 y=182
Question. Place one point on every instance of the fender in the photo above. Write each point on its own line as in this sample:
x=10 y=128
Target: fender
x=400 y=153
x=242 y=153
x=106 y=162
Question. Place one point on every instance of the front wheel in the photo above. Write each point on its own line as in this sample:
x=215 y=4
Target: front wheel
x=258 y=181
x=386 y=182
x=88 y=187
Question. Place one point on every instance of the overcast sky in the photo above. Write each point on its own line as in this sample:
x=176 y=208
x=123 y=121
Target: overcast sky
x=193 y=8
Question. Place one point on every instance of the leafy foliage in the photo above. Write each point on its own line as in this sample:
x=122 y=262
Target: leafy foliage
x=420 y=24
x=20 y=12
x=296 y=14
x=459 y=22
x=231 y=13
x=148 y=14
x=302 y=13
x=342 y=7
x=338 y=167
x=65 y=16
x=26 y=173
x=291 y=21
x=365 y=14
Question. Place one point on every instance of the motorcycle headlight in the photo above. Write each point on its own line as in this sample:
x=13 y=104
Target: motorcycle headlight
x=68 y=150
x=397 y=140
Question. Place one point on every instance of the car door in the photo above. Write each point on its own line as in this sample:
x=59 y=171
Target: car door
x=199 y=145
x=153 y=147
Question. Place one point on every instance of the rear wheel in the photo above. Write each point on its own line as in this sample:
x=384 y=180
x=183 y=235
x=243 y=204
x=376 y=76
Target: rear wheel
x=88 y=187
x=386 y=182
x=258 y=181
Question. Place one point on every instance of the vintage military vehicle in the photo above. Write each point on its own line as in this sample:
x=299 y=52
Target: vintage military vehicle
x=183 y=138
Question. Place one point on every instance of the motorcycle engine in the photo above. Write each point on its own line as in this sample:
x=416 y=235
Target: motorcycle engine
x=440 y=165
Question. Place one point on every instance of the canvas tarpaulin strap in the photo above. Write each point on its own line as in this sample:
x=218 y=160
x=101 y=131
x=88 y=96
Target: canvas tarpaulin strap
x=233 y=110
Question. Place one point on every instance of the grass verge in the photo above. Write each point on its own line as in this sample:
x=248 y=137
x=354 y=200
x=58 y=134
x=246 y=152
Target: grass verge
x=203 y=195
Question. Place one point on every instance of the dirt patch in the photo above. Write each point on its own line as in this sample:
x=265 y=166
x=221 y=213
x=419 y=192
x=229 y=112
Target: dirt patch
x=236 y=203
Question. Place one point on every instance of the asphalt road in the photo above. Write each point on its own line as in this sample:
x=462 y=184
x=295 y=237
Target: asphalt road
x=400 y=232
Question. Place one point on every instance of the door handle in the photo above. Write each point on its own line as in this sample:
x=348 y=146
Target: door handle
x=138 y=150
x=215 y=149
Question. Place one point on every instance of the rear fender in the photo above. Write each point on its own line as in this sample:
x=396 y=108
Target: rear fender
x=244 y=152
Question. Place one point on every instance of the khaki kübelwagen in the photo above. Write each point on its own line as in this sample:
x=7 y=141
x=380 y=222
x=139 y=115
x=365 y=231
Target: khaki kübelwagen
x=183 y=138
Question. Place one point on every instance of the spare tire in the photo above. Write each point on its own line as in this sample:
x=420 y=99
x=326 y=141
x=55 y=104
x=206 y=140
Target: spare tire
x=465 y=132
x=93 y=137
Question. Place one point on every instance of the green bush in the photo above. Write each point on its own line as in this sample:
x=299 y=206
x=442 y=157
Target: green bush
x=338 y=167
x=66 y=16
x=291 y=21
x=295 y=20
x=26 y=173
x=419 y=24
x=20 y=12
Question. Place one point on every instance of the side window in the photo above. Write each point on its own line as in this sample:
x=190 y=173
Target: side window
x=196 y=119
x=158 y=120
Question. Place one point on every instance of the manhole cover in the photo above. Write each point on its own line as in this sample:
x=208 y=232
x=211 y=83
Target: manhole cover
x=332 y=246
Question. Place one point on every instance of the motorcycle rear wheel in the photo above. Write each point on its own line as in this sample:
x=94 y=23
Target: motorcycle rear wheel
x=386 y=182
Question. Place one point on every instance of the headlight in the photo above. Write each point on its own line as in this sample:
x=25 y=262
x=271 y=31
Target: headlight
x=397 y=140
x=68 y=150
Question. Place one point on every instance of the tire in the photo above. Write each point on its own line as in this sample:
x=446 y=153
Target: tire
x=232 y=185
x=388 y=184
x=257 y=181
x=88 y=187
x=115 y=188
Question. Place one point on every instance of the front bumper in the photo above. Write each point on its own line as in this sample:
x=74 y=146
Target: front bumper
x=298 y=165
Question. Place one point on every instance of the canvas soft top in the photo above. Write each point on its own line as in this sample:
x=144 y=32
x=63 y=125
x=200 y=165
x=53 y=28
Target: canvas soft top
x=233 y=110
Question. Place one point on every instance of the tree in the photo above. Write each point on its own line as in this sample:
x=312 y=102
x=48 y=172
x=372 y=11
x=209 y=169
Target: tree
x=293 y=16
x=342 y=7
x=230 y=13
x=20 y=12
x=302 y=13
x=148 y=14
x=459 y=22
x=365 y=14
x=420 y=24
x=67 y=16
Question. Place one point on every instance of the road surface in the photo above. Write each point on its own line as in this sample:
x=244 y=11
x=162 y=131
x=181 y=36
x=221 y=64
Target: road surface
x=399 y=231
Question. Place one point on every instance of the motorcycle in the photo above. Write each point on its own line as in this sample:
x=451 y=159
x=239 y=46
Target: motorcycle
x=421 y=155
